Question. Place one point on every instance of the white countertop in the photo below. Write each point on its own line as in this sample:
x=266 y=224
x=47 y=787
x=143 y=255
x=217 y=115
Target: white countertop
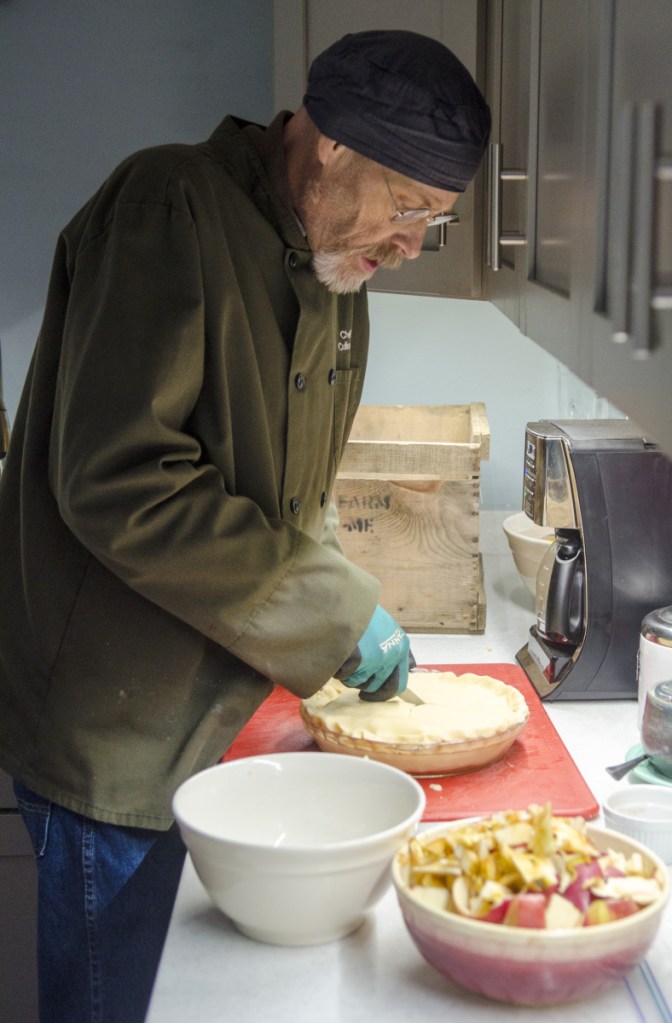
x=210 y=972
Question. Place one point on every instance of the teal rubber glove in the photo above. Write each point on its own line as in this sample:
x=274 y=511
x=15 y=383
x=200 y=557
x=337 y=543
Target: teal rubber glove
x=379 y=664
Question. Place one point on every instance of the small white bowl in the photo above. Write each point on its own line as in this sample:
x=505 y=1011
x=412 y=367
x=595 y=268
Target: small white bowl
x=528 y=542
x=296 y=847
x=644 y=812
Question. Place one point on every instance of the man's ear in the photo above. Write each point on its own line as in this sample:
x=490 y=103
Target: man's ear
x=328 y=150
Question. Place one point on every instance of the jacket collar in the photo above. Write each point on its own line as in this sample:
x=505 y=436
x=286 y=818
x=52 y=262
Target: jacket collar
x=255 y=157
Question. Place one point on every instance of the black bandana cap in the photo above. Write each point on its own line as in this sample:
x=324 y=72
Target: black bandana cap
x=403 y=100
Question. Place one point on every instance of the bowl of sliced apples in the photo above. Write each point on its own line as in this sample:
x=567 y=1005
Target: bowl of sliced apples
x=528 y=908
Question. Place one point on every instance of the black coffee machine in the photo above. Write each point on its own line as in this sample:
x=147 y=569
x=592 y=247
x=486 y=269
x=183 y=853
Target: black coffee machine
x=607 y=491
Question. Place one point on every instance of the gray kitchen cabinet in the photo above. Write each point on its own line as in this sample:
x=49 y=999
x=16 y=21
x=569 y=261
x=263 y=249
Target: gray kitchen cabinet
x=628 y=325
x=507 y=91
x=585 y=269
x=451 y=264
x=561 y=102
x=539 y=56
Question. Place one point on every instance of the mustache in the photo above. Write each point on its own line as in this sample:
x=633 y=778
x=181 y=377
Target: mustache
x=385 y=256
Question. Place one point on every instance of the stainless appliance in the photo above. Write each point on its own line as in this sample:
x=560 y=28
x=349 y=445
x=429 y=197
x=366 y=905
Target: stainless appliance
x=607 y=492
x=654 y=658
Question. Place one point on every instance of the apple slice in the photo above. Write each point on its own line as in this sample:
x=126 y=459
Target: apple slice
x=603 y=911
x=578 y=892
x=460 y=896
x=496 y=914
x=560 y=912
x=526 y=910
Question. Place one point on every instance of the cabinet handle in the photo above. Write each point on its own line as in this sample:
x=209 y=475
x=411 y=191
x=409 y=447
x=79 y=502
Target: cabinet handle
x=644 y=225
x=495 y=237
x=634 y=294
x=437 y=237
x=621 y=229
x=662 y=295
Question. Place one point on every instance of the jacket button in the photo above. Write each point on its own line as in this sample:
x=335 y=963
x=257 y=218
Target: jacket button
x=295 y=506
x=332 y=377
x=300 y=382
x=293 y=260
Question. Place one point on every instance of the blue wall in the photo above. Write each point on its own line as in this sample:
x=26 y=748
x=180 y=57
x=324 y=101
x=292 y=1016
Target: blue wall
x=86 y=82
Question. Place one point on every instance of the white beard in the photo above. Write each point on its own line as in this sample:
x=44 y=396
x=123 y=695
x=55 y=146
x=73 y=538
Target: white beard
x=334 y=271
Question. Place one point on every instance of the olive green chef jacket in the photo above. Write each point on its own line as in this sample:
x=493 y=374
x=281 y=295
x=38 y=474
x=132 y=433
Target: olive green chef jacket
x=167 y=550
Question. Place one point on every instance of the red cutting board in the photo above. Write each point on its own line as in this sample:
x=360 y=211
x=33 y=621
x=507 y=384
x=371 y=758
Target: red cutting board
x=537 y=768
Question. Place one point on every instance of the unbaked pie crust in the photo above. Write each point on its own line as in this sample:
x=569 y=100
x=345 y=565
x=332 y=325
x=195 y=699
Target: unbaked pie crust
x=467 y=722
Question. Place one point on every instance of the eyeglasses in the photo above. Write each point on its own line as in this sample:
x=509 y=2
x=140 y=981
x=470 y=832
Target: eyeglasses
x=411 y=216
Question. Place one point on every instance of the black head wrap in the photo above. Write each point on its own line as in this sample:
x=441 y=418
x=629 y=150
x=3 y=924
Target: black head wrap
x=403 y=100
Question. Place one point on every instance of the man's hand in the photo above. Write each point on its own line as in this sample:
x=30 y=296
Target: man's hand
x=379 y=664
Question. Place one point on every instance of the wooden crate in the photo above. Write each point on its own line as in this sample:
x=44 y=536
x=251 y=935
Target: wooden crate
x=408 y=493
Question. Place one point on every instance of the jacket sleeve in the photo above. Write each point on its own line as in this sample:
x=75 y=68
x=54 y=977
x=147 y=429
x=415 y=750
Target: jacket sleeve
x=136 y=487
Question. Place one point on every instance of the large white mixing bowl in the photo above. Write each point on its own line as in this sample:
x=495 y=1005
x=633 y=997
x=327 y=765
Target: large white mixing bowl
x=296 y=847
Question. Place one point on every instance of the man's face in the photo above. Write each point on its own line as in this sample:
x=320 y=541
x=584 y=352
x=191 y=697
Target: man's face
x=348 y=215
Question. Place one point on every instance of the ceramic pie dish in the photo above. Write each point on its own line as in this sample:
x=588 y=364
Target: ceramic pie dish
x=468 y=722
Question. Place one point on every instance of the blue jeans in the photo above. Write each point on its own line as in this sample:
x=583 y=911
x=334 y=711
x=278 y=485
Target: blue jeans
x=105 y=895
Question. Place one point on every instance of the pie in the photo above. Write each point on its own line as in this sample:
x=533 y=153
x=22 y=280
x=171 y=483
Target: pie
x=466 y=722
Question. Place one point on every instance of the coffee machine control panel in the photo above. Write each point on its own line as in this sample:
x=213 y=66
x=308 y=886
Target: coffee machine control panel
x=530 y=478
x=548 y=496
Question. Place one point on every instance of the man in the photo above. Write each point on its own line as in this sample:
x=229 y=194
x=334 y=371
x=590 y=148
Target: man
x=170 y=543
